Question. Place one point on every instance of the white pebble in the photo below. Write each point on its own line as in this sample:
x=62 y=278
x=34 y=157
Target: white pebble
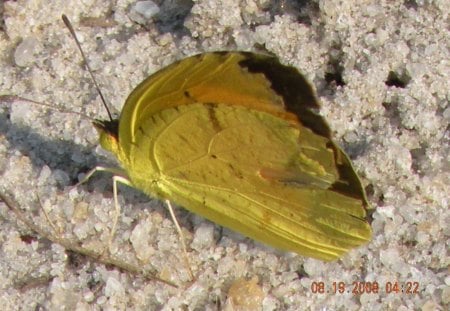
x=24 y=55
x=113 y=287
x=140 y=240
x=204 y=236
x=147 y=9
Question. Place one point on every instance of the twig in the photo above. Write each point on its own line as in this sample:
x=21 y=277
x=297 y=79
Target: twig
x=69 y=245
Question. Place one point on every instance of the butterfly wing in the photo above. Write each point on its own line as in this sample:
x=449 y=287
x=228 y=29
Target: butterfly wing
x=252 y=172
x=231 y=78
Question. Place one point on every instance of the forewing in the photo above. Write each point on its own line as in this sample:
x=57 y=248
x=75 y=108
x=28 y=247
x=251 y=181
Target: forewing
x=256 y=81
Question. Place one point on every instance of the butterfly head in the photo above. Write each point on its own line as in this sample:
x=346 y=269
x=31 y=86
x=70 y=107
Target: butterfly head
x=108 y=135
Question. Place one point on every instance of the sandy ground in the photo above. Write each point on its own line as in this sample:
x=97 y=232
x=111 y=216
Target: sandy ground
x=381 y=72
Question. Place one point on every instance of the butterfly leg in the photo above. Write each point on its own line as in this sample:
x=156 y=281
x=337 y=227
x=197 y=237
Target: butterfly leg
x=113 y=170
x=119 y=177
x=125 y=181
x=180 y=233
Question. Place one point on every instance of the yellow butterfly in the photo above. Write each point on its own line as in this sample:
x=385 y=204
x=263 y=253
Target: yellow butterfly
x=233 y=137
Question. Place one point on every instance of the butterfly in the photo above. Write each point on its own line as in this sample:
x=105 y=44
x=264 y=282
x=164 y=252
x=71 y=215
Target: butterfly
x=236 y=138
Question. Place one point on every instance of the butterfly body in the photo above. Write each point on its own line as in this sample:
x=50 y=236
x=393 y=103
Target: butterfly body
x=226 y=136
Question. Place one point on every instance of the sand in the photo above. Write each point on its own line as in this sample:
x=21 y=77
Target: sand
x=381 y=72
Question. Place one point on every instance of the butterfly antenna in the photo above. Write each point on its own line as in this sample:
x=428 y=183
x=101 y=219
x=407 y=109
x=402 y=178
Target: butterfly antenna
x=72 y=32
x=10 y=99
